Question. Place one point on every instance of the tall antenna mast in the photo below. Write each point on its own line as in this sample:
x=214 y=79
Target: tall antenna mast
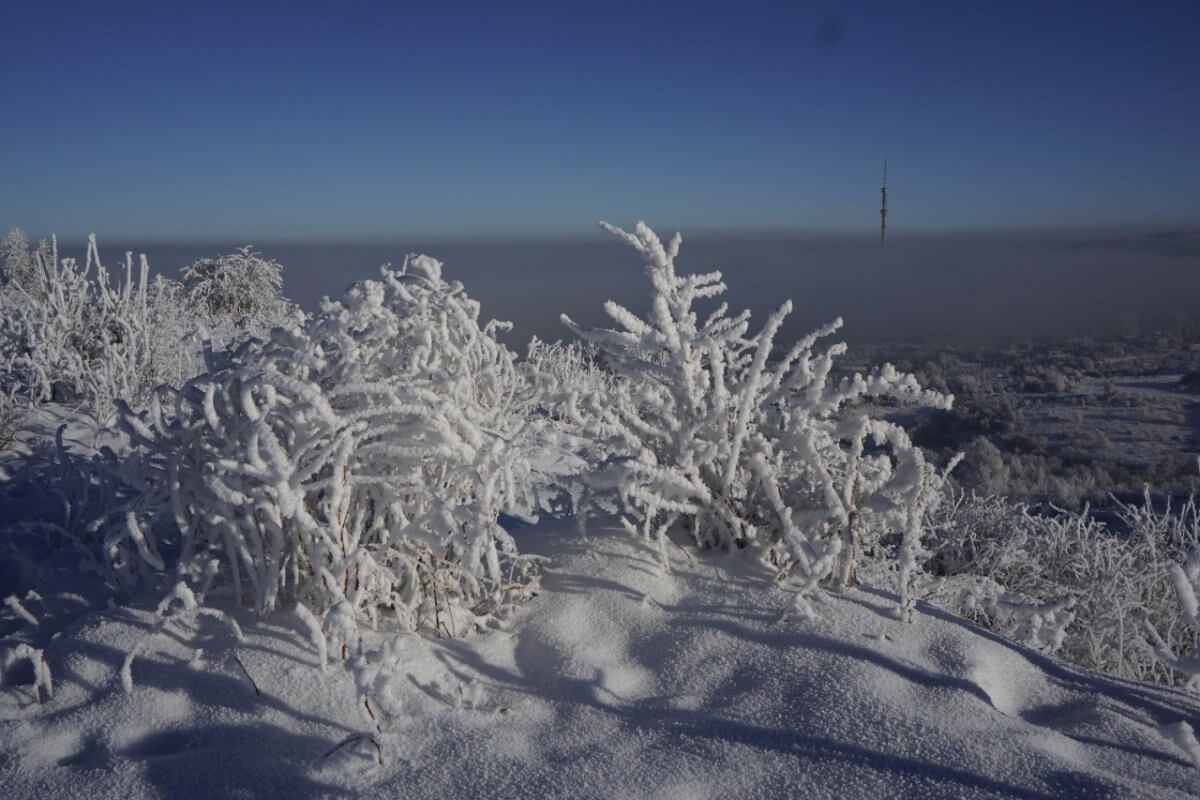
x=883 y=209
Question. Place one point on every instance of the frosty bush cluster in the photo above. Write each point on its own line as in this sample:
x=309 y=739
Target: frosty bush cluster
x=563 y=373
x=79 y=334
x=86 y=335
x=241 y=287
x=1106 y=586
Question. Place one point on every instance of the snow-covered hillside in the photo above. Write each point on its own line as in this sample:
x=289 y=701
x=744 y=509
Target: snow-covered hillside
x=616 y=681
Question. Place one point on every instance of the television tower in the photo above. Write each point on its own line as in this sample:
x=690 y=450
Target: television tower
x=883 y=209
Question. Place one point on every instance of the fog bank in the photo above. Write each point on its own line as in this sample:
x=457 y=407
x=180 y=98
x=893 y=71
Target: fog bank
x=941 y=288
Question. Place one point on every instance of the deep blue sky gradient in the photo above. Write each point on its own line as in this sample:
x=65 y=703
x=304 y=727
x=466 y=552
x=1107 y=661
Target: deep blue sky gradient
x=162 y=121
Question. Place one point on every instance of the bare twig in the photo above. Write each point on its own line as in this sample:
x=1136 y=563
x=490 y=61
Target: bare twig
x=371 y=713
x=686 y=554
x=246 y=672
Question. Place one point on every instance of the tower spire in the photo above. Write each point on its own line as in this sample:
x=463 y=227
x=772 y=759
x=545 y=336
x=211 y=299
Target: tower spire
x=883 y=209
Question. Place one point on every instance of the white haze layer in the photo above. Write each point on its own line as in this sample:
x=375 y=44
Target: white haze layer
x=962 y=288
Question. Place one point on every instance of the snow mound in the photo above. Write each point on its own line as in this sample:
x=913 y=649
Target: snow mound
x=616 y=681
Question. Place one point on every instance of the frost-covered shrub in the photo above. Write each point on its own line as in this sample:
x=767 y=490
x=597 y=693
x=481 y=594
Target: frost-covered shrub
x=240 y=287
x=572 y=365
x=707 y=431
x=19 y=262
x=354 y=463
x=44 y=330
x=56 y=496
x=1186 y=580
x=563 y=428
x=82 y=335
x=562 y=373
x=1014 y=562
x=13 y=411
x=1040 y=625
x=983 y=469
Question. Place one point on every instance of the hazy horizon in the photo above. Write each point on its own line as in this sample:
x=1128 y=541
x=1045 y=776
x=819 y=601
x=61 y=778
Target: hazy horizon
x=868 y=231
x=966 y=287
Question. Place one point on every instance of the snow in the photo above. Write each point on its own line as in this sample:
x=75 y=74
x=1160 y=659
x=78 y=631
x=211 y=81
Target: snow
x=617 y=680
x=1182 y=734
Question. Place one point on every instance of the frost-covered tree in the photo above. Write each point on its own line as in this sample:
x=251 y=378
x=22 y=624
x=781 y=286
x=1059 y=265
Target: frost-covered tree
x=355 y=463
x=242 y=287
x=710 y=431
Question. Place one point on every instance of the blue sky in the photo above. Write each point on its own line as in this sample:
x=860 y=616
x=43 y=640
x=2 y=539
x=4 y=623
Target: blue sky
x=293 y=120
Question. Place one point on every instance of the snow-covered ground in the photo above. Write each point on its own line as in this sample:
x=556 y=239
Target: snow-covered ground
x=1136 y=422
x=1070 y=420
x=615 y=681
